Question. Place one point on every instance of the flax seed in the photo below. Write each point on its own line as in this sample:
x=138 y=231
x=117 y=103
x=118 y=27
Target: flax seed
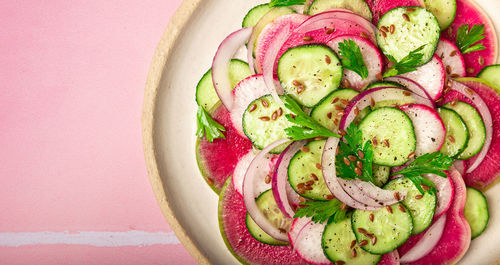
x=253 y=107
x=339 y=262
x=340 y=114
x=392 y=28
x=329 y=197
x=296 y=83
x=342 y=132
x=362 y=231
x=372 y=217
x=384 y=29
x=358 y=171
x=354 y=253
x=454 y=102
x=346 y=83
x=406 y=17
x=274 y=116
x=470 y=70
x=338 y=107
x=453 y=53
x=264 y=102
x=300 y=186
x=318 y=138
x=386 y=143
x=389 y=209
x=372 y=102
x=359 y=165
x=361 y=154
x=353 y=243
x=356 y=111
x=280 y=112
x=330 y=31
x=307 y=38
x=305 y=149
x=390 y=64
x=343 y=206
x=336 y=121
x=374 y=240
x=309 y=182
x=396 y=196
x=301 y=191
x=308 y=187
x=318 y=166
x=383 y=34
x=407 y=93
x=344 y=101
x=411 y=9
x=352 y=158
x=454 y=76
x=300 y=89
x=363 y=243
x=379 y=76
x=451 y=138
x=282 y=230
x=481 y=60
x=469 y=91
x=425 y=187
x=335 y=100
x=411 y=155
x=327 y=59
x=268 y=179
x=364 y=35
x=402 y=208
x=375 y=141
x=448 y=69
x=314 y=177
x=418 y=197
x=210 y=181
x=302 y=199
x=264 y=118
x=346 y=161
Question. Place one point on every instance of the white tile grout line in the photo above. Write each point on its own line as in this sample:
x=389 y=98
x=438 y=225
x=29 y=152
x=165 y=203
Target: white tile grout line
x=90 y=238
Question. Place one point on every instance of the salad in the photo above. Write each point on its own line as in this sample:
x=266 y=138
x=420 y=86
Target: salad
x=354 y=132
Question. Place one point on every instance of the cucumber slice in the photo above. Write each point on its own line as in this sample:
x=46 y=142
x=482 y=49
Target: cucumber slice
x=403 y=100
x=267 y=204
x=388 y=230
x=206 y=96
x=491 y=73
x=303 y=169
x=359 y=7
x=268 y=18
x=457 y=134
x=384 y=84
x=421 y=210
x=421 y=29
x=336 y=243
x=264 y=122
x=309 y=73
x=476 y=211
x=254 y=15
x=326 y=111
x=474 y=122
x=380 y=175
x=444 y=10
x=392 y=134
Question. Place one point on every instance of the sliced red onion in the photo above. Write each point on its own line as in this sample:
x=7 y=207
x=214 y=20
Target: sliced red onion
x=483 y=110
x=281 y=186
x=220 y=64
x=297 y=226
x=264 y=169
x=331 y=180
x=384 y=197
x=308 y=244
x=445 y=193
x=249 y=194
x=413 y=87
x=461 y=166
x=427 y=243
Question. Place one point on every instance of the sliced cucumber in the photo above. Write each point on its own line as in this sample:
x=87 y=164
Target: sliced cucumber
x=474 y=122
x=336 y=243
x=403 y=100
x=254 y=15
x=304 y=169
x=388 y=230
x=420 y=28
x=206 y=96
x=264 y=122
x=491 y=73
x=268 y=18
x=421 y=210
x=380 y=175
x=392 y=134
x=309 y=73
x=326 y=111
x=476 y=211
x=457 y=134
x=444 y=10
x=383 y=84
x=359 y=7
x=267 y=204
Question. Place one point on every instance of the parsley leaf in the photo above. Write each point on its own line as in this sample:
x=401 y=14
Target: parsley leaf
x=308 y=128
x=320 y=211
x=353 y=147
x=408 y=64
x=352 y=58
x=431 y=163
x=466 y=38
x=208 y=126
x=275 y=3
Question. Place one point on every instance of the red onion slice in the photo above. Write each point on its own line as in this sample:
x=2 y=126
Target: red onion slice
x=297 y=225
x=220 y=64
x=483 y=110
x=249 y=194
x=280 y=184
x=427 y=243
x=413 y=87
x=264 y=169
x=461 y=166
x=384 y=197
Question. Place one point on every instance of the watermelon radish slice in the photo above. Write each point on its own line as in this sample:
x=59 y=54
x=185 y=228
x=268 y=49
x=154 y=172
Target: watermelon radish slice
x=218 y=159
x=238 y=240
x=262 y=180
x=428 y=126
x=297 y=225
x=456 y=237
x=391 y=258
x=431 y=76
x=380 y=7
x=308 y=244
x=371 y=56
x=461 y=166
x=469 y=13
x=452 y=58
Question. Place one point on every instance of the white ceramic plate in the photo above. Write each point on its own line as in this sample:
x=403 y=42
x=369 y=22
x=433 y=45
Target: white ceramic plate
x=169 y=123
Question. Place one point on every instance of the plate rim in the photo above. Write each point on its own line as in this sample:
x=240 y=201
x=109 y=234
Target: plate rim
x=160 y=58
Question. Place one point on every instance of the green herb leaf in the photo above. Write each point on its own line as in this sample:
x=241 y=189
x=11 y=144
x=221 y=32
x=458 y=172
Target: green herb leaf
x=208 y=126
x=321 y=211
x=466 y=38
x=431 y=163
x=354 y=147
x=352 y=58
x=307 y=127
x=408 y=64
x=275 y=3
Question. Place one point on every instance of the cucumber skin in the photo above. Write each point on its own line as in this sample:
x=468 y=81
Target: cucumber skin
x=370 y=18
x=445 y=26
x=249 y=15
x=485 y=73
x=467 y=139
x=478 y=233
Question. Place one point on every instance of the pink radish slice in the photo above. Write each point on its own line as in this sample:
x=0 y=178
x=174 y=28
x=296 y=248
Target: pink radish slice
x=249 y=89
x=220 y=64
x=462 y=92
x=308 y=244
x=427 y=242
x=369 y=194
x=428 y=126
x=470 y=13
x=431 y=76
x=371 y=56
x=445 y=193
x=282 y=190
x=380 y=7
x=331 y=180
x=456 y=236
x=453 y=60
x=412 y=86
x=264 y=170
x=249 y=194
x=269 y=32
x=363 y=100
x=391 y=258
x=297 y=225
x=461 y=166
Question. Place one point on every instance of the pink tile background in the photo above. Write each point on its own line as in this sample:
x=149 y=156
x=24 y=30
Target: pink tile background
x=72 y=75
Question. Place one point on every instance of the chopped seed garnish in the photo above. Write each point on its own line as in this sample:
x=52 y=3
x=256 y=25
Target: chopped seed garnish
x=389 y=209
x=210 y=181
x=375 y=141
x=418 y=197
x=352 y=158
x=302 y=199
x=335 y=100
x=362 y=231
x=372 y=217
x=454 y=75
x=402 y=208
x=372 y=102
x=329 y=197
x=318 y=165
x=358 y=171
x=370 y=236
x=308 y=188
x=253 y=107
x=359 y=165
x=454 y=102
x=329 y=115
x=448 y=69
x=451 y=138
x=481 y=60
x=338 y=107
x=343 y=206
x=309 y=182
x=356 y=111
x=453 y=53
x=300 y=89
x=342 y=132
x=268 y=179
x=384 y=28
x=282 y=230
x=280 y=112
x=406 y=17
x=340 y=114
x=470 y=70
x=411 y=9
x=305 y=149
x=425 y=187
x=274 y=116
x=301 y=191
x=396 y=196
x=374 y=240
x=344 y=101
x=300 y=186
x=361 y=154
x=327 y=59
x=346 y=83
x=469 y=91
x=264 y=102
x=386 y=143
x=364 y=35
x=411 y=155
x=379 y=76
x=336 y=121
x=330 y=31
x=392 y=28
x=307 y=38
x=353 y=243
x=296 y=83
x=265 y=118
x=313 y=176
x=407 y=93
x=383 y=34
x=346 y=161
x=363 y=243
x=354 y=253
